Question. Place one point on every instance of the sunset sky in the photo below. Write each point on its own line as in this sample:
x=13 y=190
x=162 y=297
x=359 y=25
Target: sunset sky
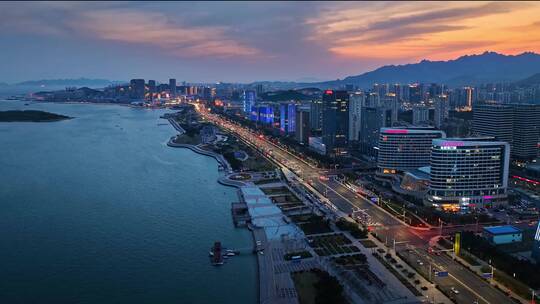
x=248 y=41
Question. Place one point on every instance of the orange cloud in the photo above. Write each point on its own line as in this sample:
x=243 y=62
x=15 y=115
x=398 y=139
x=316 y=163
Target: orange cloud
x=417 y=30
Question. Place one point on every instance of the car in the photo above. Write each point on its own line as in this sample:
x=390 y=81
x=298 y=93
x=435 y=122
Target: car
x=454 y=290
x=420 y=262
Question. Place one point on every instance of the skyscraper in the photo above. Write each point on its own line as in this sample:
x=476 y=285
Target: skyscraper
x=335 y=126
x=151 y=86
x=287 y=117
x=172 y=87
x=441 y=110
x=302 y=126
x=518 y=124
x=137 y=88
x=248 y=98
x=316 y=117
x=390 y=102
x=468 y=173
x=356 y=101
x=420 y=115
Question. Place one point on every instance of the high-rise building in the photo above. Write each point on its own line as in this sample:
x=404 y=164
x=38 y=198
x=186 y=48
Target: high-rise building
x=172 y=87
x=316 y=117
x=518 y=124
x=356 y=101
x=151 y=86
x=404 y=149
x=526 y=135
x=266 y=114
x=440 y=104
x=468 y=173
x=302 y=126
x=390 y=102
x=287 y=117
x=469 y=97
x=137 y=88
x=373 y=119
x=415 y=93
x=335 y=126
x=248 y=98
x=420 y=115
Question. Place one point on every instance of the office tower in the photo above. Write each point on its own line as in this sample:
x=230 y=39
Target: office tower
x=415 y=93
x=373 y=119
x=287 y=118
x=137 y=88
x=468 y=173
x=152 y=86
x=420 y=115
x=390 y=102
x=356 y=101
x=381 y=88
x=316 y=115
x=302 y=132
x=254 y=114
x=373 y=100
x=335 y=126
x=440 y=104
x=518 y=124
x=248 y=99
x=404 y=149
x=266 y=114
x=172 y=87
x=259 y=89
x=526 y=131
x=468 y=97
x=493 y=120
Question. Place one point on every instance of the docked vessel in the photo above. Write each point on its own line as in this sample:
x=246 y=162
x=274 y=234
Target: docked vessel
x=216 y=256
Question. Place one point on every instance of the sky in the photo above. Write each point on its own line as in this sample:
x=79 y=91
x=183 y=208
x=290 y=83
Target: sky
x=250 y=41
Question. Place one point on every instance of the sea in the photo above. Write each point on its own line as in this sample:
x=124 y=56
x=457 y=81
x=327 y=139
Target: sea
x=98 y=209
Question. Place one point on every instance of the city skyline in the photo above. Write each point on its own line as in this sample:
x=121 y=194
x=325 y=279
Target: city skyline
x=239 y=42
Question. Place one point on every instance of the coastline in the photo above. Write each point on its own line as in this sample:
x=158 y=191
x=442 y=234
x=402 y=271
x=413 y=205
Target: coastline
x=256 y=234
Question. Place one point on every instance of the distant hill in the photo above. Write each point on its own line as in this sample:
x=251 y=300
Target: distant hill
x=529 y=81
x=465 y=70
x=79 y=82
x=284 y=96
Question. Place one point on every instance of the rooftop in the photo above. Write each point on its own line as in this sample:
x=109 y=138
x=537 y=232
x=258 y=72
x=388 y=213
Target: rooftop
x=506 y=229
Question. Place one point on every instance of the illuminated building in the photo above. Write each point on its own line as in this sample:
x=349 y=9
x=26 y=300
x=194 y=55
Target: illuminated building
x=536 y=245
x=266 y=114
x=248 y=99
x=335 y=126
x=468 y=173
x=440 y=104
x=287 y=118
x=420 y=115
x=405 y=149
x=415 y=93
x=356 y=101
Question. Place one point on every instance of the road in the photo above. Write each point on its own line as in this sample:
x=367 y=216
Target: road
x=471 y=288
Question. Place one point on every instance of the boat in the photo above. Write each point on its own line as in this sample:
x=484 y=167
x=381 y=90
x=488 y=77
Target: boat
x=217 y=257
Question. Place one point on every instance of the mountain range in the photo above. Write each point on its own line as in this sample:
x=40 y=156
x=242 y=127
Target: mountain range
x=466 y=70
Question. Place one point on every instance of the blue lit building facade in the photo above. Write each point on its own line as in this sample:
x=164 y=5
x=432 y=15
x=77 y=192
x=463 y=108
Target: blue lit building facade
x=287 y=118
x=248 y=98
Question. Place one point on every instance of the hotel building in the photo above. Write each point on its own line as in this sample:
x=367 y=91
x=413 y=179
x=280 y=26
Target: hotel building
x=468 y=173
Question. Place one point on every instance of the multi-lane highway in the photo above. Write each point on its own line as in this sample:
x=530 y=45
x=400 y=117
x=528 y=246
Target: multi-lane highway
x=471 y=288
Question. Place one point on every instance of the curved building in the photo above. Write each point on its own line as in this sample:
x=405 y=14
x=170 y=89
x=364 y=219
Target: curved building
x=468 y=173
x=404 y=149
